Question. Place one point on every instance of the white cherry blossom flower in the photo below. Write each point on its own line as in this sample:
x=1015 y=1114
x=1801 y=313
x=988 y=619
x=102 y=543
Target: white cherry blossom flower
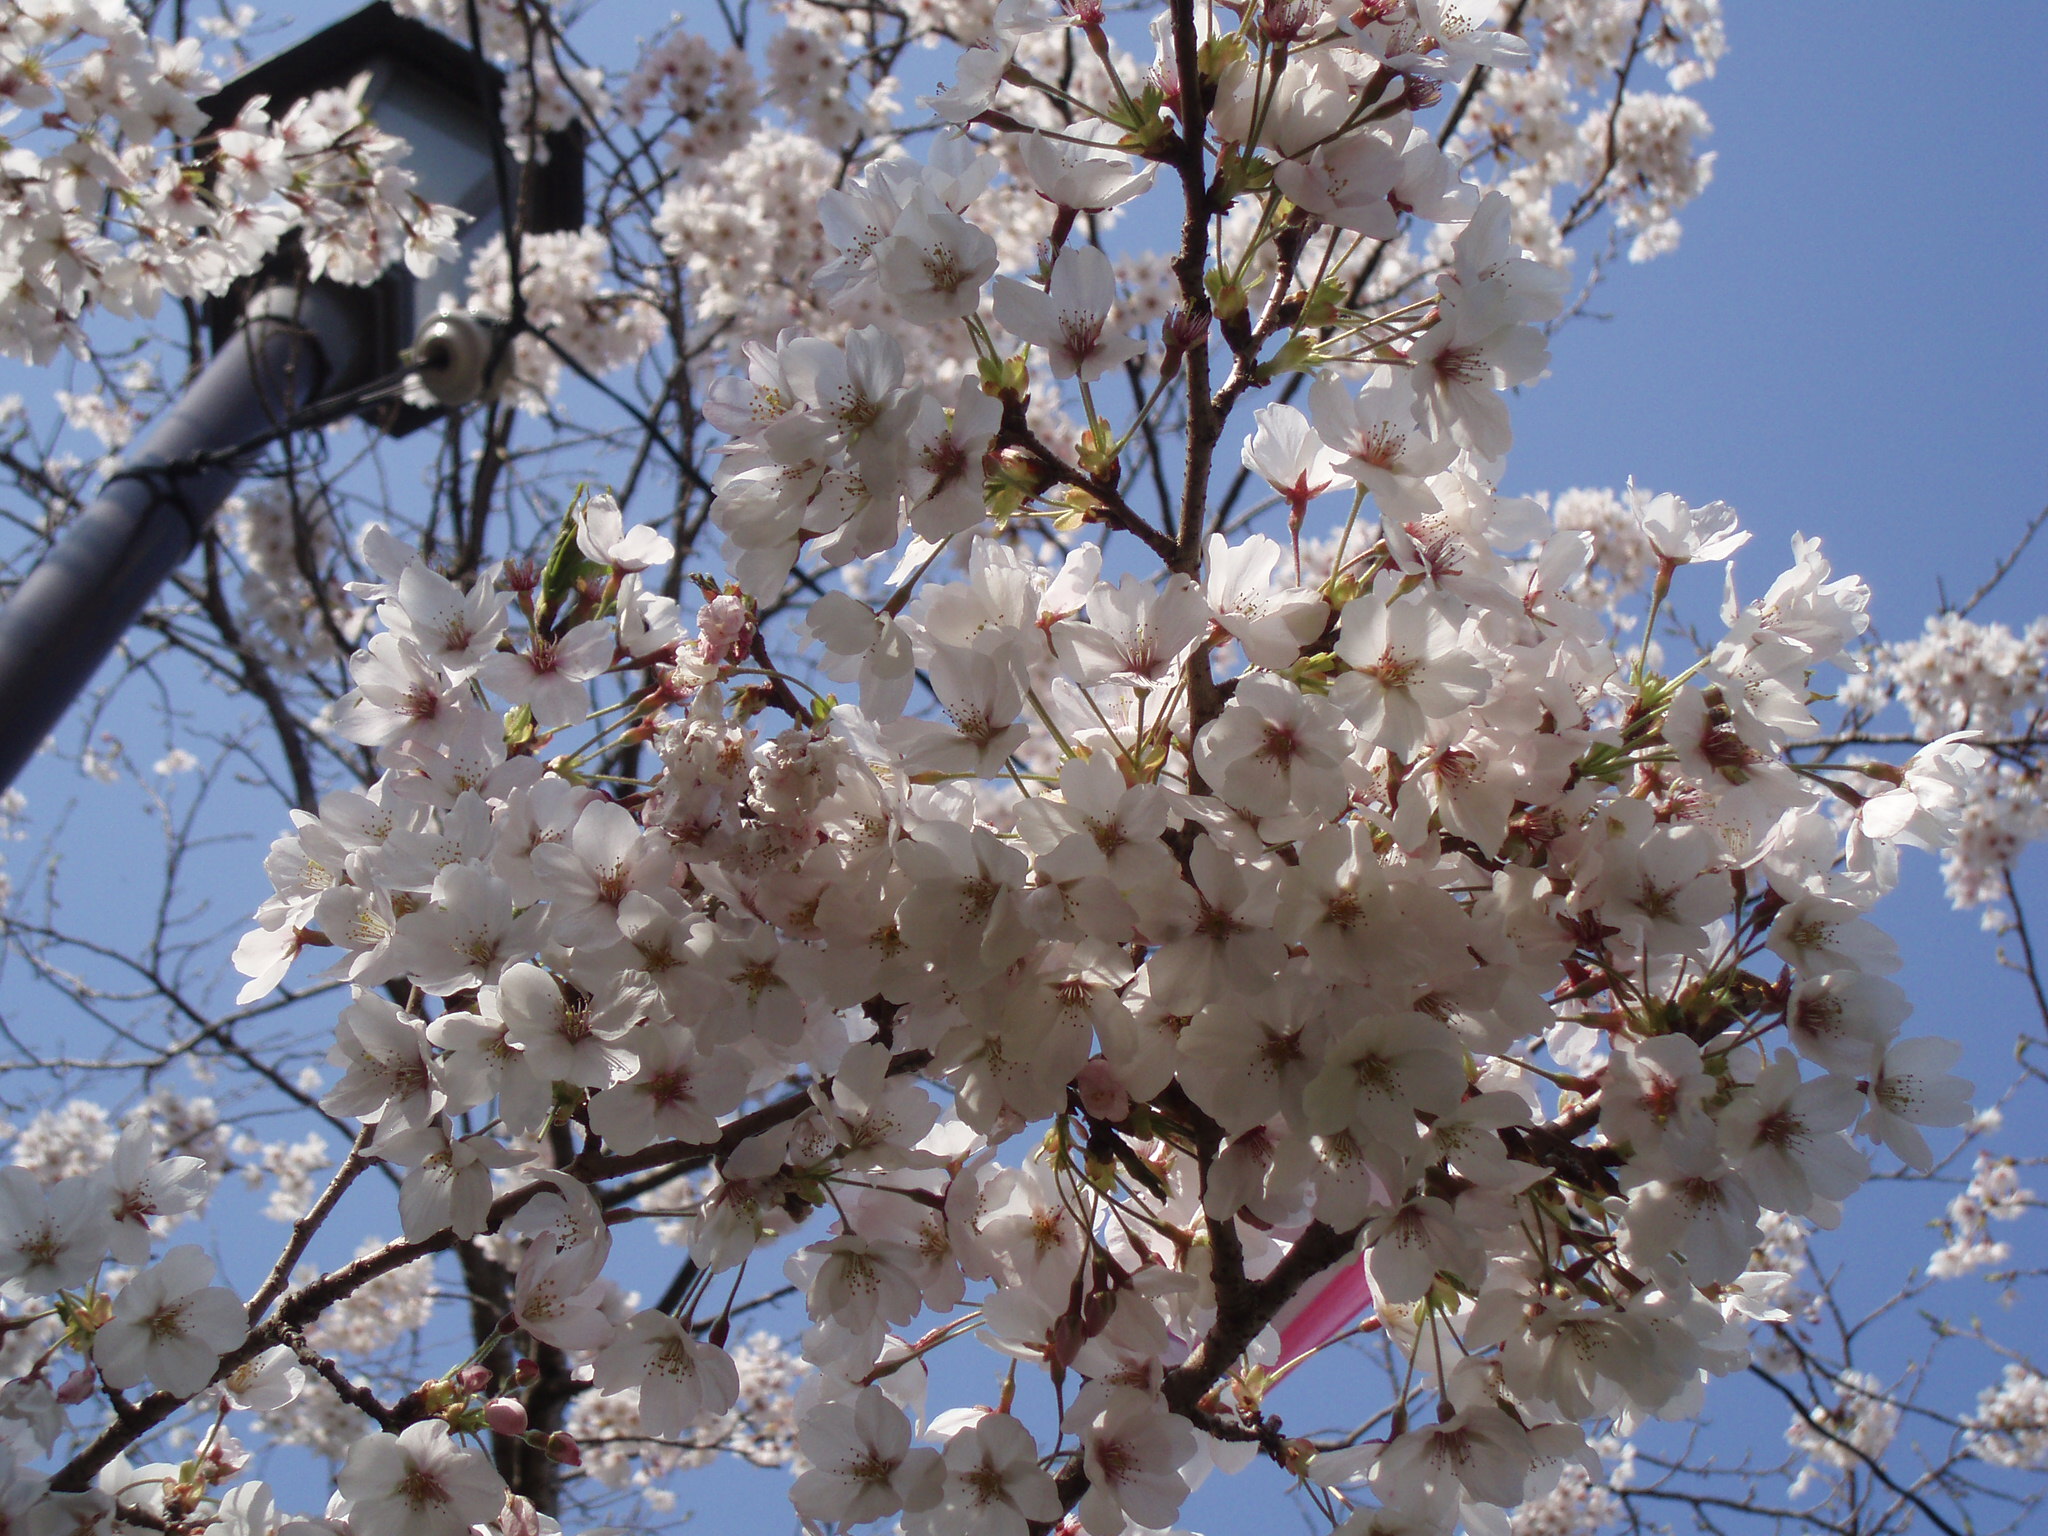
x=1133 y=1450
x=1842 y=1021
x=1911 y=1087
x=994 y=1484
x=388 y=1077
x=559 y=1297
x=1082 y=170
x=1273 y=624
x=468 y=933
x=1380 y=440
x=1703 y=1213
x=933 y=263
x=1408 y=668
x=863 y=1465
x=418 y=1482
x=563 y=1039
x=1069 y=319
x=1479 y=1452
x=267 y=1382
x=448 y=1183
x=1380 y=1074
x=677 y=1091
x=1786 y=1139
x=454 y=630
x=943 y=474
x=602 y=535
x=1683 y=534
x=552 y=677
x=1276 y=752
x=144 y=1187
x=1405 y=1248
x=1816 y=936
x=170 y=1326
x=587 y=875
x=50 y=1240
x=862 y=646
x=679 y=1380
x=1134 y=633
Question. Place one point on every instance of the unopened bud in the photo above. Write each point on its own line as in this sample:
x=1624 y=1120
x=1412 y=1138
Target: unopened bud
x=1096 y=1308
x=562 y=1448
x=526 y=1373
x=506 y=1416
x=1179 y=331
x=1064 y=1339
x=474 y=1378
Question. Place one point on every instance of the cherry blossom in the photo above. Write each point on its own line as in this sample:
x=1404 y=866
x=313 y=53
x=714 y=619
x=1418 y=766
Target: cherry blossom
x=863 y=1465
x=416 y=1481
x=170 y=1326
x=1069 y=318
x=1058 y=928
x=678 y=1381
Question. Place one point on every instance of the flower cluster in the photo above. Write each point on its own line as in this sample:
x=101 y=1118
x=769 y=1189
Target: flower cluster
x=1175 y=948
x=569 y=302
x=1961 y=675
x=1268 y=900
x=1994 y=1193
x=2010 y=1426
x=102 y=206
x=1852 y=1433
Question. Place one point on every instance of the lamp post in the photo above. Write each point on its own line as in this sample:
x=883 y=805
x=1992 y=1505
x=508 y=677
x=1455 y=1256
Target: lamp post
x=285 y=349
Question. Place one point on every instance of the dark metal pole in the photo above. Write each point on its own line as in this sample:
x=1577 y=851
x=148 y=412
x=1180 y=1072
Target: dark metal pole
x=64 y=619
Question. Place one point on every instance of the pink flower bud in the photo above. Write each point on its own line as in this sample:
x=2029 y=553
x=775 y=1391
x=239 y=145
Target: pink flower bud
x=1179 y=330
x=506 y=1416
x=474 y=1378
x=562 y=1448
x=1064 y=1339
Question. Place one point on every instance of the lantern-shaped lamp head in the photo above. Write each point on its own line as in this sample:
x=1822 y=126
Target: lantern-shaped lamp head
x=445 y=102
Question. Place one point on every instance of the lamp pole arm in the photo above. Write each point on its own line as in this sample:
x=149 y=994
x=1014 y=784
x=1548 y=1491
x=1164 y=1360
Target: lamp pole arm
x=69 y=612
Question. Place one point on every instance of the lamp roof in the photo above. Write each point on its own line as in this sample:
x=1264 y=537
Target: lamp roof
x=407 y=58
x=333 y=56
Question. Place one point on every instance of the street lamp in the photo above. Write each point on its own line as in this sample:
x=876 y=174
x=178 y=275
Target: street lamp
x=284 y=348
x=443 y=99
